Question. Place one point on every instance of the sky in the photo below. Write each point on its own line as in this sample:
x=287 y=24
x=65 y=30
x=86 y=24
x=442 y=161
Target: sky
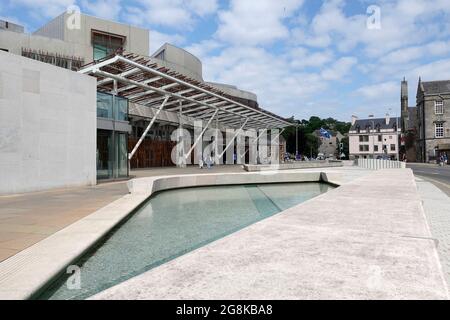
x=330 y=58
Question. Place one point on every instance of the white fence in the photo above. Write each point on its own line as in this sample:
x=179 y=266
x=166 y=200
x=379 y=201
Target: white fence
x=377 y=164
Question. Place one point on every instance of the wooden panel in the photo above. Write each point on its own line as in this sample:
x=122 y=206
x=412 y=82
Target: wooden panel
x=151 y=153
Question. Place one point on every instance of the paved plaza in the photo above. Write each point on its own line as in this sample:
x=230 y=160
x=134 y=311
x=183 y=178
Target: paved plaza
x=26 y=219
x=371 y=237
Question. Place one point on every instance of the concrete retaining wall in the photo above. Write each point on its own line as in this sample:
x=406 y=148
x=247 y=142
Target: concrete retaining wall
x=377 y=164
x=47 y=126
x=294 y=165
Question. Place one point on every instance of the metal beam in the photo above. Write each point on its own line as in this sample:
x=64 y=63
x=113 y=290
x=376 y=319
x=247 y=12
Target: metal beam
x=106 y=74
x=159 y=73
x=232 y=140
x=140 y=94
x=201 y=135
x=146 y=129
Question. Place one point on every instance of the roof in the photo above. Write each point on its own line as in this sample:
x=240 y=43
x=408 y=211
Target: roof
x=363 y=123
x=436 y=87
x=141 y=80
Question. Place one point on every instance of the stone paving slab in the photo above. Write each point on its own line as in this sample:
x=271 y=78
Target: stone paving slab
x=437 y=209
x=356 y=250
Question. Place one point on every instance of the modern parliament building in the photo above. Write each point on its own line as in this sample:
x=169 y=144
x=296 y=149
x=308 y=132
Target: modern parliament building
x=82 y=99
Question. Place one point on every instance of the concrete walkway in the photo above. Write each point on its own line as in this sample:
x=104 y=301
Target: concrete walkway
x=437 y=209
x=28 y=218
x=368 y=239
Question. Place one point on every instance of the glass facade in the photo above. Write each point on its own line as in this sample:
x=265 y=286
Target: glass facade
x=105 y=44
x=112 y=152
x=112 y=107
x=112 y=145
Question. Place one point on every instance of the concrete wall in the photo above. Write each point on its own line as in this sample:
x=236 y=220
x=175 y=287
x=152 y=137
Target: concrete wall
x=14 y=42
x=234 y=91
x=179 y=60
x=47 y=126
x=56 y=38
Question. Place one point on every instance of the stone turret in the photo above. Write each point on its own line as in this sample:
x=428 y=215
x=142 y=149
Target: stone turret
x=404 y=104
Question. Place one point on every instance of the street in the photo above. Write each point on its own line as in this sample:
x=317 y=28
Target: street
x=439 y=176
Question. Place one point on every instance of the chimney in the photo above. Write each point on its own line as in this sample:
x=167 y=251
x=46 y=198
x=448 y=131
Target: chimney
x=354 y=118
x=388 y=118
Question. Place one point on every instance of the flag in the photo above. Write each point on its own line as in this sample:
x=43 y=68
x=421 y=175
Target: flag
x=324 y=133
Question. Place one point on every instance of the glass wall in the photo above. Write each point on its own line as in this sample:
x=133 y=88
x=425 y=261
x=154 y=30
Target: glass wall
x=105 y=154
x=105 y=44
x=112 y=107
x=112 y=152
x=112 y=145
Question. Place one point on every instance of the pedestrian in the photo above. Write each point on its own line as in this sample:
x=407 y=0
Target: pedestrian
x=200 y=163
x=208 y=161
x=445 y=158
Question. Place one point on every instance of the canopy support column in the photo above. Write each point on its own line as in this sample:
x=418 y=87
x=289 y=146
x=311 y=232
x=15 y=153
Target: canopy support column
x=234 y=137
x=131 y=154
x=201 y=134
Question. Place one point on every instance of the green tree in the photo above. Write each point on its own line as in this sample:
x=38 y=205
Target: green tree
x=307 y=141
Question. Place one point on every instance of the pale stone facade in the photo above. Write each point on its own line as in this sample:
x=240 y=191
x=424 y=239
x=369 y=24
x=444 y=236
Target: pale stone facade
x=433 y=120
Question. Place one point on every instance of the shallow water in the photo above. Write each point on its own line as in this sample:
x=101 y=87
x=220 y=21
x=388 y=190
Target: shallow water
x=174 y=222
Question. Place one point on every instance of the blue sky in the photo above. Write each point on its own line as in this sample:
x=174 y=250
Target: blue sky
x=301 y=57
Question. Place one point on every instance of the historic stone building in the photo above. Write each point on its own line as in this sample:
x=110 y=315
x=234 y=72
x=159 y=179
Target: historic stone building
x=374 y=138
x=433 y=120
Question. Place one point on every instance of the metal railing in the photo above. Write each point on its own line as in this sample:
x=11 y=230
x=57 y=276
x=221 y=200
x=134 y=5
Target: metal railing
x=377 y=164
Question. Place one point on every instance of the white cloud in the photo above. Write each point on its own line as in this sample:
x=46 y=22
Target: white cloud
x=176 y=14
x=300 y=58
x=403 y=23
x=379 y=90
x=339 y=69
x=45 y=8
x=106 y=9
x=250 y=23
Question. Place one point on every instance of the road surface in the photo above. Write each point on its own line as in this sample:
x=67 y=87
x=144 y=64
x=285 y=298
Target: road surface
x=439 y=176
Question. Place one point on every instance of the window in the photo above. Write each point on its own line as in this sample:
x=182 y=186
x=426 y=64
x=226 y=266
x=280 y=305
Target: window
x=363 y=138
x=110 y=107
x=439 y=130
x=105 y=44
x=358 y=129
x=161 y=55
x=375 y=148
x=363 y=148
x=439 y=107
x=392 y=147
x=378 y=127
x=380 y=138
